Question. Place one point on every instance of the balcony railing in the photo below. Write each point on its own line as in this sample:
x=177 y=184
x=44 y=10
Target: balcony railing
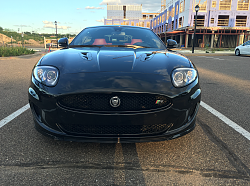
x=243 y=6
x=225 y=5
x=200 y=21
x=241 y=21
x=223 y=22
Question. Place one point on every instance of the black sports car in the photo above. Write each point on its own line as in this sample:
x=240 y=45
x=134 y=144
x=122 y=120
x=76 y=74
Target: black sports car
x=114 y=84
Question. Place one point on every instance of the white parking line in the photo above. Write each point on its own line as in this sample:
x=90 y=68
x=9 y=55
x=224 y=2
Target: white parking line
x=219 y=58
x=13 y=115
x=212 y=57
x=229 y=122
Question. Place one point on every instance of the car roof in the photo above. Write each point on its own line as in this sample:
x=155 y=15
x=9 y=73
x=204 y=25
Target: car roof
x=128 y=26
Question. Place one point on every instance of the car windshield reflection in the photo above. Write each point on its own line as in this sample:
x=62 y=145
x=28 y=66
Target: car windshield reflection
x=118 y=37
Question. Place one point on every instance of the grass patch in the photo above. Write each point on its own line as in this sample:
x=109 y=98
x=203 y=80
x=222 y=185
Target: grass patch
x=14 y=51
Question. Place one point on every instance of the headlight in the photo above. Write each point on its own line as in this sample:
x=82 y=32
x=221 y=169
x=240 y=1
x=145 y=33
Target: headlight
x=183 y=76
x=46 y=75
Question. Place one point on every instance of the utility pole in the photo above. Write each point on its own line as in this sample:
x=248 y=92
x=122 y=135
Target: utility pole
x=56 y=35
x=22 y=40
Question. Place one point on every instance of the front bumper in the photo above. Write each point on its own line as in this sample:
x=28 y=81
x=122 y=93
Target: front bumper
x=45 y=130
x=51 y=119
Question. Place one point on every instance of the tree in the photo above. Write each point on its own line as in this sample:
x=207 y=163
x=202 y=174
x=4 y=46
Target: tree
x=1 y=28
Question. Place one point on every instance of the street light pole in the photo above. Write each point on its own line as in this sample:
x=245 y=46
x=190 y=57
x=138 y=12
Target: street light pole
x=56 y=35
x=196 y=10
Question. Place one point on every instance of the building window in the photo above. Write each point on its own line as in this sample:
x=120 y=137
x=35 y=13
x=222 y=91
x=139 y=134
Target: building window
x=141 y=24
x=148 y=24
x=241 y=21
x=124 y=12
x=116 y=22
x=180 y=22
x=167 y=15
x=172 y=12
x=108 y=22
x=243 y=5
x=163 y=17
x=200 y=21
x=176 y=10
x=225 y=5
x=202 y=4
x=132 y=23
x=223 y=20
x=160 y=19
x=172 y=28
x=182 y=6
x=212 y=21
x=213 y=4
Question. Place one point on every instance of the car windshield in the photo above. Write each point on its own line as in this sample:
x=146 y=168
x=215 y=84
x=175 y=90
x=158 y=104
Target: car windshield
x=118 y=36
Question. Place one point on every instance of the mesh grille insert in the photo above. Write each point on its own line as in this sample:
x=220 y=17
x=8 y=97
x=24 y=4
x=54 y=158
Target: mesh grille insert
x=106 y=129
x=101 y=101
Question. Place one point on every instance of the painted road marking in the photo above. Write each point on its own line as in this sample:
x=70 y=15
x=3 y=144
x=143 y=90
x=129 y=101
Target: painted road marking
x=14 y=115
x=229 y=122
x=211 y=57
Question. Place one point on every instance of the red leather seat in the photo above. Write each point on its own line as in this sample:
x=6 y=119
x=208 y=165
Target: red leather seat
x=136 y=41
x=99 y=42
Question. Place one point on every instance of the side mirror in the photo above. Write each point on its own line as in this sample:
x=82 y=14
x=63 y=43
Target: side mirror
x=64 y=42
x=171 y=43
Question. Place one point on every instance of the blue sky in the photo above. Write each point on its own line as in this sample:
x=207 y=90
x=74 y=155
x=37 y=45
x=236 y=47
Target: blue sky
x=72 y=15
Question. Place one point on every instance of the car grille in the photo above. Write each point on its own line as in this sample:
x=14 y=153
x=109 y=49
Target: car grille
x=114 y=130
x=102 y=101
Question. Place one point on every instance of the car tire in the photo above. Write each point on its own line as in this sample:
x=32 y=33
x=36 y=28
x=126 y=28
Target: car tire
x=237 y=52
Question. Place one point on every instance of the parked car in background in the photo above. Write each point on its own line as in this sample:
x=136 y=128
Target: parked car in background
x=243 y=49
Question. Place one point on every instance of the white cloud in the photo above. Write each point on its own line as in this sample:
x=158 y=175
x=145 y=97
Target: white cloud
x=101 y=20
x=105 y=2
x=47 y=22
x=79 y=8
x=22 y=25
x=92 y=7
x=50 y=24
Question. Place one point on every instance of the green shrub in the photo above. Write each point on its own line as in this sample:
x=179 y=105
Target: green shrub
x=14 y=51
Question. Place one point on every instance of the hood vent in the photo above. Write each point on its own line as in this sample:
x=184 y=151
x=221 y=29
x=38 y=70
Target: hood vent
x=146 y=56
x=86 y=56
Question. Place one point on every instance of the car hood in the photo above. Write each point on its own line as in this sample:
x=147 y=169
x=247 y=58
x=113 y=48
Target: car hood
x=115 y=59
x=240 y=46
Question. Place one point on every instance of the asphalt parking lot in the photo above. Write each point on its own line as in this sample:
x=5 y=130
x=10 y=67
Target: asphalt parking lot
x=216 y=152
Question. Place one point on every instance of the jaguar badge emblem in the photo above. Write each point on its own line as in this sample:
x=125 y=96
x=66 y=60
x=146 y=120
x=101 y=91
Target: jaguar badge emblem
x=115 y=101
